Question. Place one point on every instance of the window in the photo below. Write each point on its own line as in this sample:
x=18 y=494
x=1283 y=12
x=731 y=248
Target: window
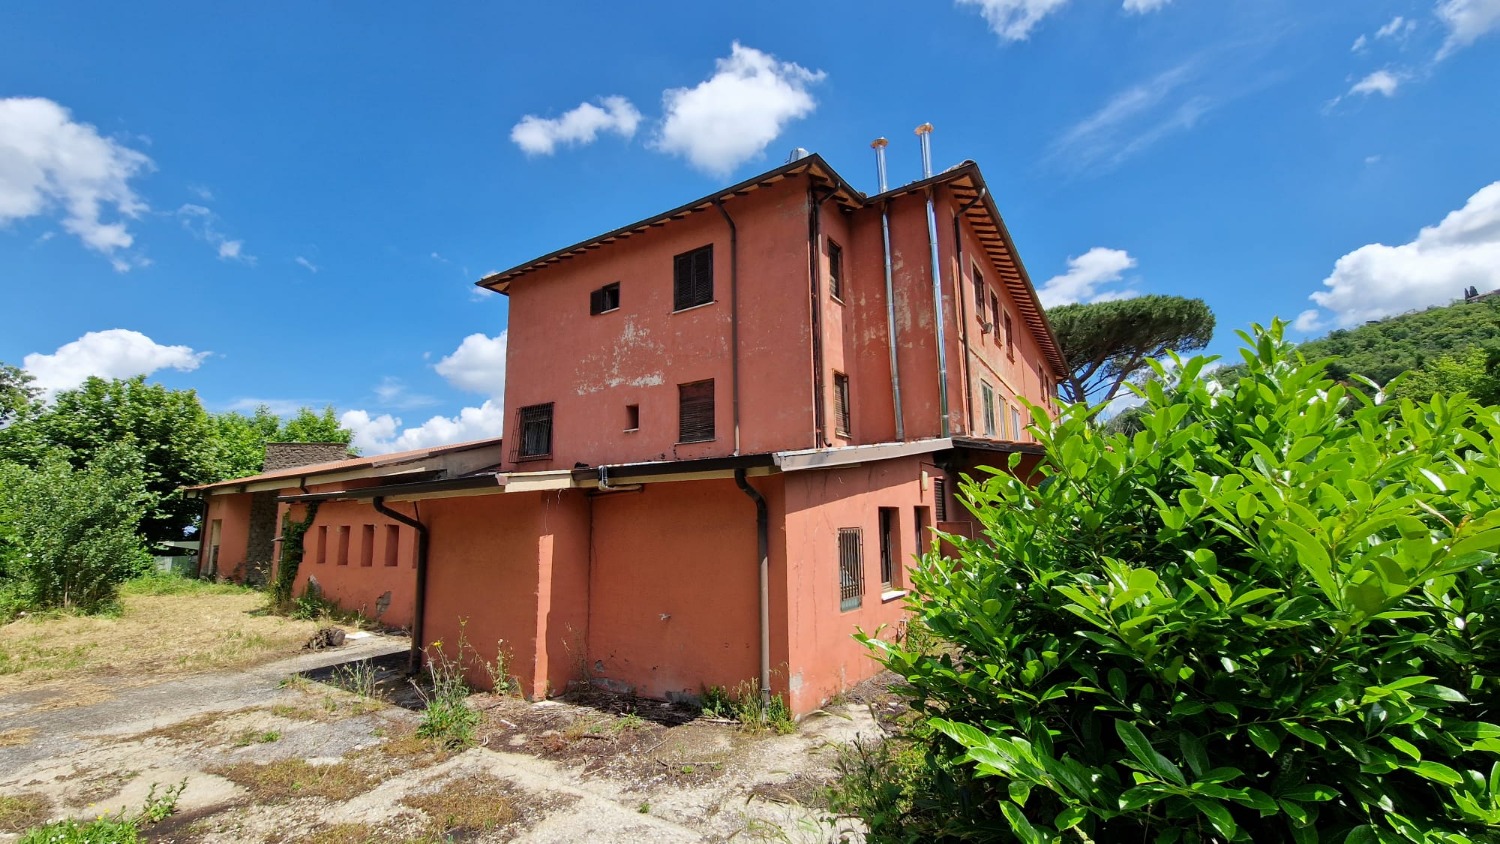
x=978 y=294
x=392 y=544
x=988 y=397
x=695 y=412
x=343 y=558
x=1015 y=424
x=940 y=498
x=535 y=427
x=841 y=404
x=322 y=546
x=632 y=417
x=367 y=545
x=851 y=568
x=693 y=278
x=605 y=299
x=995 y=316
x=888 y=544
x=1010 y=338
x=920 y=520
x=836 y=270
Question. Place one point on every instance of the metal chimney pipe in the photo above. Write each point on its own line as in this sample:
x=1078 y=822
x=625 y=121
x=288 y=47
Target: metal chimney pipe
x=890 y=291
x=937 y=281
x=879 y=145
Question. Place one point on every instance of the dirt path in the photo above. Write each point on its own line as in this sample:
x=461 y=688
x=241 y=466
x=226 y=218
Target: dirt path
x=268 y=758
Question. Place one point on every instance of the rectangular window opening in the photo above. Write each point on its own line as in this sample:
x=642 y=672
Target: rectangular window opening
x=851 y=568
x=695 y=412
x=367 y=545
x=921 y=521
x=841 y=425
x=1016 y=431
x=995 y=316
x=1010 y=338
x=392 y=545
x=534 y=428
x=940 y=498
x=888 y=546
x=987 y=394
x=343 y=549
x=979 y=289
x=693 y=278
x=605 y=299
x=632 y=417
x=320 y=550
x=836 y=270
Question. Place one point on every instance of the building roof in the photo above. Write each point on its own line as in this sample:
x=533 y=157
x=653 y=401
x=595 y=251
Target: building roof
x=371 y=466
x=964 y=179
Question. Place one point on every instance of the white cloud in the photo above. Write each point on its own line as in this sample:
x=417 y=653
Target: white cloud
x=48 y=162
x=1086 y=274
x=393 y=392
x=732 y=116
x=1466 y=21
x=200 y=222
x=1359 y=44
x=116 y=353
x=1143 y=6
x=1013 y=20
x=1380 y=82
x=385 y=433
x=541 y=136
x=477 y=365
x=1399 y=27
x=1134 y=119
x=306 y=264
x=1376 y=280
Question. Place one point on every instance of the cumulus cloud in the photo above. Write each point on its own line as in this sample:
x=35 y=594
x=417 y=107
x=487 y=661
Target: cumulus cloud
x=51 y=164
x=1360 y=44
x=1086 y=274
x=1380 y=82
x=1377 y=280
x=1399 y=27
x=202 y=223
x=116 y=353
x=385 y=433
x=477 y=365
x=732 y=116
x=1013 y=20
x=1466 y=21
x=541 y=136
x=1143 y=6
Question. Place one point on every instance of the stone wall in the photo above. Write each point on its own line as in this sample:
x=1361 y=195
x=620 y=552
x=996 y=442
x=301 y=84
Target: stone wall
x=287 y=455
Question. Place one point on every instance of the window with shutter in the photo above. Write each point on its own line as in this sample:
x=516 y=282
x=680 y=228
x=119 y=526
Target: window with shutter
x=534 y=428
x=693 y=278
x=940 y=499
x=1010 y=338
x=995 y=316
x=1015 y=424
x=605 y=299
x=851 y=568
x=841 y=404
x=888 y=546
x=695 y=411
x=836 y=270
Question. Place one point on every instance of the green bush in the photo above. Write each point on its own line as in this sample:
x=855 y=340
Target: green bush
x=1269 y=615
x=72 y=533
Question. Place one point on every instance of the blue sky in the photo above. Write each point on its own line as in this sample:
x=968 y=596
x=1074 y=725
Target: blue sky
x=289 y=203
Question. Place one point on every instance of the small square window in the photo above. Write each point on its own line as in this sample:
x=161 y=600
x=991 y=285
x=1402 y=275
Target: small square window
x=836 y=270
x=534 y=429
x=693 y=278
x=605 y=299
x=632 y=417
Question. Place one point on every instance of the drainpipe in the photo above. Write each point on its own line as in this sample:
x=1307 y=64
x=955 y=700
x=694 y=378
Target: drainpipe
x=923 y=132
x=963 y=317
x=734 y=321
x=763 y=546
x=419 y=603
x=890 y=292
x=815 y=278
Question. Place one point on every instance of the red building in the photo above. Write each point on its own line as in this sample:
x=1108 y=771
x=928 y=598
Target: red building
x=730 y=428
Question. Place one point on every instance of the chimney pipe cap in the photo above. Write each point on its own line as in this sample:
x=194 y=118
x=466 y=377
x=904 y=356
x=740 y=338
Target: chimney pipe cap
x=879 y=143
x=924 y=129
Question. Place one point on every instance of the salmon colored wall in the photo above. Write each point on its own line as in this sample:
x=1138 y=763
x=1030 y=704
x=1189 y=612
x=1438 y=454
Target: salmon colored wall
x=352 y=584
x=563 y=589
x=825 y=659
x=675 y=588
x=233 y=513
x=592 y=367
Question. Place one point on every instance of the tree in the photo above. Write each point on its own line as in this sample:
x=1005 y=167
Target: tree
x=1475 y=371
x=169 y=428
x=309 y=427
x=1267 y=616
x=17 y=397
x=1105 y=343
x=240 y=441
x=70 y=534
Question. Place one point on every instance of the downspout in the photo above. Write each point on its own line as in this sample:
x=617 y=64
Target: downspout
x=815 y=278
x=419 y=603
x=890 y=290
x=963 y=317
x=734 y=321
x=763 y=546
x=923 y=132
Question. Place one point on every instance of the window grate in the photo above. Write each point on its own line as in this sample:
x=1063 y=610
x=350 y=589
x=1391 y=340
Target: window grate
x=836 y=270
x=940 y=498
x=695 y=411
x=841 y=425
x=851 y=568
x=605 y=299
x=693 y=278
x=534 y=424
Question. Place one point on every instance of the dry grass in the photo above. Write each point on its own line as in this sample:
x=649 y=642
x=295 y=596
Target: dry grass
x=410 y=750
x=472 y=803
x=291 y=778
x=16 y=737
x=154 y=636
x=23 y=811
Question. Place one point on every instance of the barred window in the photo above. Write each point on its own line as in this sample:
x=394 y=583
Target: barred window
x=693 y=278
x=535 y=429
x=695 y=411
x=851 y=568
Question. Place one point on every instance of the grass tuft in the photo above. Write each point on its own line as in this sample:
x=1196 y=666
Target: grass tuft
x=287 y=779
